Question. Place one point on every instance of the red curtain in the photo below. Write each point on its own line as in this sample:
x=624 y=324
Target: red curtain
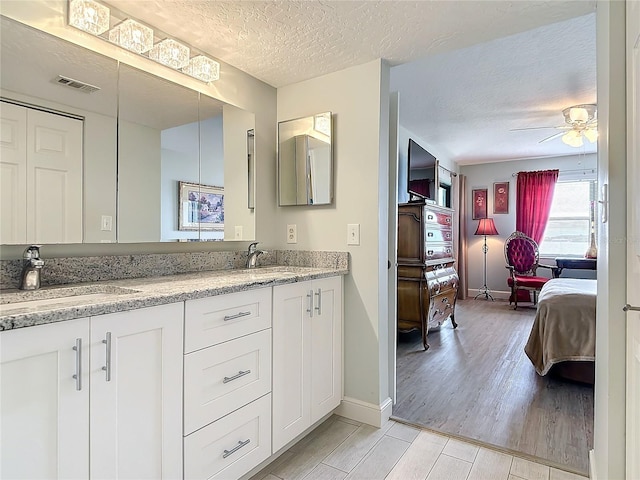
x=534 y=194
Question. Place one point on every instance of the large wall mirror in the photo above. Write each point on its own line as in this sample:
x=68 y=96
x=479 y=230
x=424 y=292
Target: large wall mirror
x=305 y=161
x=142 y=159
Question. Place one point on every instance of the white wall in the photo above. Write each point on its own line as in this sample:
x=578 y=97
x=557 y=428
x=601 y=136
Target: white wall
x=484 y=176
x=354 y=97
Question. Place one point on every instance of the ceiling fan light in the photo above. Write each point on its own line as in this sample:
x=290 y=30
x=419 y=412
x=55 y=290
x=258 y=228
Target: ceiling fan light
x=578 y=114
x=573 y=138
x=592 y=135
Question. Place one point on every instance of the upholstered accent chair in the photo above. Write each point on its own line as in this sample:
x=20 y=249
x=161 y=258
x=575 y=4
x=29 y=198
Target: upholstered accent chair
x=521 y=254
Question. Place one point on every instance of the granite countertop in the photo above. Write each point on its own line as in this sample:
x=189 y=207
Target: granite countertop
x=66 y=302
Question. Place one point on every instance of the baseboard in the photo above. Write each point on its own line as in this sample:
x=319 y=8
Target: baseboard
x=369 y=413
x=496 y=294
x=592 y=466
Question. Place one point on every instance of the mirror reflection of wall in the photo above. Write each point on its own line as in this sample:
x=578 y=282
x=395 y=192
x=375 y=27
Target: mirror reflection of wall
x=305 y=164
x=445 y=188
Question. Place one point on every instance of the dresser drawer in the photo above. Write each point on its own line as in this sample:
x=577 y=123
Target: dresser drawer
x=219 y=379
x=442 y=280
x=437 y=233
x=435 y=250
x=232 y=446
x=440 y=308
x=213 y=320
x=434 y=216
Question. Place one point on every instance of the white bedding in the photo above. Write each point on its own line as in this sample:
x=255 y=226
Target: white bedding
x=565 y=324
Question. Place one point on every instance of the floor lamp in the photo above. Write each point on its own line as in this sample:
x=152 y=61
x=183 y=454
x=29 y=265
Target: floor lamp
x=485 y=227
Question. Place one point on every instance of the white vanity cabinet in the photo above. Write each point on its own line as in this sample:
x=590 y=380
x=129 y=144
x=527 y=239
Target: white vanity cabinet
x=307 y=355
x=129 y=426
x=227 y=384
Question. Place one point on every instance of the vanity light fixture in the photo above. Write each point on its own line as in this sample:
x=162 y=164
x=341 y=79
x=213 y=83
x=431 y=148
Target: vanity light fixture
x=95 y=18
x=132 y=35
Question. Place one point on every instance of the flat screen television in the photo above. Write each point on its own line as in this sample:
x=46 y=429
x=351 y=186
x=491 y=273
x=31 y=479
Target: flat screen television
x=422 y=173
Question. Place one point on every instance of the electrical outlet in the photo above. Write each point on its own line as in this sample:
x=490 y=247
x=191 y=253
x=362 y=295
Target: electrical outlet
x=238 y=232
x=353 y=234
x=292 y=234
x=106 y=223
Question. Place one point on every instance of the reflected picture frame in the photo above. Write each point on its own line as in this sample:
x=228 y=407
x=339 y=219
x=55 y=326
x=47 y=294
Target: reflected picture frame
x=200 y=207
x=479 y=203
x=501 y=197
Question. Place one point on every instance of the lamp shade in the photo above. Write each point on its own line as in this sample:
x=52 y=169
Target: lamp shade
x=486 y=227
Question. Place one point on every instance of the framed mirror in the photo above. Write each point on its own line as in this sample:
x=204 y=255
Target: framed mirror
x=305 y=161
x=126 y=178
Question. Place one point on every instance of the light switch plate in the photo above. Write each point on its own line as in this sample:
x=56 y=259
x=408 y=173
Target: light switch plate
x=292 y=233
x=353 y=234
x=237 y=234
x=106 y=223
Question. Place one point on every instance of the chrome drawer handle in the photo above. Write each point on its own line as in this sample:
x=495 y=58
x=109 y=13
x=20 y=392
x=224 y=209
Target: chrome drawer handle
x=237 y=315
x=319 y=307
x=107 y=367
x=236 y=448
x=310 y=297
x=236 y=376
x=78 y=374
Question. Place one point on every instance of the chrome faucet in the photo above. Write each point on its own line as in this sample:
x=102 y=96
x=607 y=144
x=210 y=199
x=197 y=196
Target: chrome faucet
x=252 y=255
x=31 y=266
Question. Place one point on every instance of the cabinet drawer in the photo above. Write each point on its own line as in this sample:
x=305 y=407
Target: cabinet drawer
x=219 y=379
x=437 y=233
x=232 y=446
x=435 y=251
x=441 y=281
x=440 y=307
x=433 y=216
x=213 y=320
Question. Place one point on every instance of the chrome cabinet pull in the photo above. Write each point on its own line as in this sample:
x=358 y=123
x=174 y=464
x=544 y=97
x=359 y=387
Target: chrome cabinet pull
x=310 y=297
x=319 y=307
x=78 y=374
x=429 y=234
x=628 y=307
x=107 y=367
x=237 y=315
x=236 y=376
x=236 y=448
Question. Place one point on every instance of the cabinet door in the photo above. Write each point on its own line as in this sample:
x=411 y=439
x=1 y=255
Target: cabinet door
x=136 y=394
x=326 y=347
x=291 y=346
x=44 y=411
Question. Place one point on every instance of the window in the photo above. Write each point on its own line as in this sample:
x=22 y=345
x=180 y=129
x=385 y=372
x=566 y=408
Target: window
x=569 y=226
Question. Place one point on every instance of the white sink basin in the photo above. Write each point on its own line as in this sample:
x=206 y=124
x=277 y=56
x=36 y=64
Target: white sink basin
x=60 y=296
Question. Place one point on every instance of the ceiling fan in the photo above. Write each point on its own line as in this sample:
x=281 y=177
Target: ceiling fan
x=580 y=122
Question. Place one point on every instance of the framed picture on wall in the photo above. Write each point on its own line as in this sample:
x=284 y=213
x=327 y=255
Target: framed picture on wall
x=501 y=197
x=479 y=207
x=201 y=207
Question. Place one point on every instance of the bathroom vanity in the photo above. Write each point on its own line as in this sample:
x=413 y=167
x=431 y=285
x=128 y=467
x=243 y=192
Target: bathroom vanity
x=202 y=375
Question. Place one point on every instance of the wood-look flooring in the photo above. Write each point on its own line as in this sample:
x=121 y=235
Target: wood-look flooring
x=476 y=382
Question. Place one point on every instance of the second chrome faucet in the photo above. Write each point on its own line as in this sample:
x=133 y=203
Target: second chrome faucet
x=31 y=267
x=252 y=255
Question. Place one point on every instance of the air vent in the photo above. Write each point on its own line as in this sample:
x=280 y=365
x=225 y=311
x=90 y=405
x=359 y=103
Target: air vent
x=76 y=84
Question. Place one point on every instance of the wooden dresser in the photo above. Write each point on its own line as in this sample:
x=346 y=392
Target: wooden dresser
x=427 y=280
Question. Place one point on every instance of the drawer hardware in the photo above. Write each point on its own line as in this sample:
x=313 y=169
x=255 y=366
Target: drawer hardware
x=319 y=307
x=236 y=376
x=628 y=307
x=78 y=374
x=236 y=448
x=430 y=217
x=310 y=297
x=107 y=367
x=237 y=315
x=429 y=234
x=430 y=252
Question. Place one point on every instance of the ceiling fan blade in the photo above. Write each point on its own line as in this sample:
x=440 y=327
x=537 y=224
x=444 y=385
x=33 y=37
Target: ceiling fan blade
x=529 y=128
x=555 y=135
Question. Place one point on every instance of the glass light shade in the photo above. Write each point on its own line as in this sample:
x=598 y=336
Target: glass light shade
x=170 y=53
x=89 y=16
x=591 y=134
x=578 y=114
x=132 y=36
x=573 y=138
x=203 y=68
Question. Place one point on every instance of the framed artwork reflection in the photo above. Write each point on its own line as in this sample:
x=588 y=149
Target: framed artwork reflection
x=479 y=207
x=501 y=197
x=200 y=207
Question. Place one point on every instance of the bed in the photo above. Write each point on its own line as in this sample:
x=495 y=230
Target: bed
x=563 y=335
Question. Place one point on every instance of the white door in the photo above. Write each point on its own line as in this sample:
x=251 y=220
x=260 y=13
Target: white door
x=44 y=411
x=136 y=394
x=633 y=233
x=291 y=344
x=54 y=178
x=13 y=174
x=326 y=347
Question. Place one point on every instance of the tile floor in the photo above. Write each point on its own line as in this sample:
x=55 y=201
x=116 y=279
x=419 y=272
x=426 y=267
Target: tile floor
x=344 y=449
